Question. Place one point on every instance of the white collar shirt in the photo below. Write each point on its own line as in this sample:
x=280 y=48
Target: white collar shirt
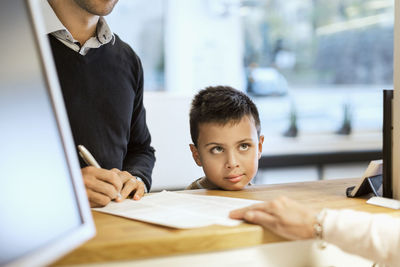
x=55 y=27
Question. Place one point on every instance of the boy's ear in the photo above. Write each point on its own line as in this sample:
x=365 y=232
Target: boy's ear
x=195 y=154
x=260 y=144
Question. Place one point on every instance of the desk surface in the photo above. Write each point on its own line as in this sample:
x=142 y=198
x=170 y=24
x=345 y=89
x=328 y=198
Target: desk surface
x=123 y=239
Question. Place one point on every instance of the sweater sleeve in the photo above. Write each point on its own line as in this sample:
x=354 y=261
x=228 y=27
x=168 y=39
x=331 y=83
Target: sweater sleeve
x=373 y=236
x=140 y=159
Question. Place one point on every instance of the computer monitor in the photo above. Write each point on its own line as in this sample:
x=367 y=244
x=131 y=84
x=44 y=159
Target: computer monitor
x=396 y=105
x=44 y=211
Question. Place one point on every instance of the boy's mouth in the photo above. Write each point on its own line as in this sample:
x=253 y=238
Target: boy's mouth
x=234 y=178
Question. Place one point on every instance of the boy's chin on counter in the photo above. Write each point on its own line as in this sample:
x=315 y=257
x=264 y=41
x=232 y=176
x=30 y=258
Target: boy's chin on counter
x=234 y=182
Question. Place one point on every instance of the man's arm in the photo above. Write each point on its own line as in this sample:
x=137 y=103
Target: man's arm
x=139 y=160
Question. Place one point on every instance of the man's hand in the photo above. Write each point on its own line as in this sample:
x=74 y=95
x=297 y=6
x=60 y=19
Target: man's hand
x=130 y=185
x=102 y=185
x=282 y=216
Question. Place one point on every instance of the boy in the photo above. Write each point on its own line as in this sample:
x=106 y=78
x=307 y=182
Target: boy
x=225 y=130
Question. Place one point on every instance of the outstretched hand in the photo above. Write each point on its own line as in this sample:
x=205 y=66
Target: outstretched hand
x=282 y=216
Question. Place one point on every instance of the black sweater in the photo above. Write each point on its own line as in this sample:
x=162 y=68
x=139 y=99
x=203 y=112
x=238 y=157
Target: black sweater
x=103 y=95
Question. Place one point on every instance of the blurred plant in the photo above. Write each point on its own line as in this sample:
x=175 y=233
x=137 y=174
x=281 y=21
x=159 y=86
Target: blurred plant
x=345 y=129
x=292 y=131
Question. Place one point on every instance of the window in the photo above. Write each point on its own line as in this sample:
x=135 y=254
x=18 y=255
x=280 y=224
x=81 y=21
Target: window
x=141 y=25
x=330 y=58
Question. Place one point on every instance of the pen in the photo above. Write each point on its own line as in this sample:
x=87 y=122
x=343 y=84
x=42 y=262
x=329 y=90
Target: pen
x=90 y=160
x=87 y=157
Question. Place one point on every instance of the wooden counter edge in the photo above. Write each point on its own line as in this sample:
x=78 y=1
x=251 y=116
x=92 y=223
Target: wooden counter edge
x=213 y=238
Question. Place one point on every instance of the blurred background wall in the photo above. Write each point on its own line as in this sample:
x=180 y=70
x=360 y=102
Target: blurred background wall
x=315 y=66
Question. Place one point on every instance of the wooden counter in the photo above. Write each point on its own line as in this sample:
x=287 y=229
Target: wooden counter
x=124 y=239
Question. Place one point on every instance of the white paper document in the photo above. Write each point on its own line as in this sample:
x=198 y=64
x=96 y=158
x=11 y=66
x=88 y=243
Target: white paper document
x=179 y=210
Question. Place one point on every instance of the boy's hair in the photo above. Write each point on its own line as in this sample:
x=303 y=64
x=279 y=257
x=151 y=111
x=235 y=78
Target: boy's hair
x=222 y=105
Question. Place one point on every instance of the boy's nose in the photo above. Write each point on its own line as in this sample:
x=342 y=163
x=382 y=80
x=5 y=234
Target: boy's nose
x=231 y=161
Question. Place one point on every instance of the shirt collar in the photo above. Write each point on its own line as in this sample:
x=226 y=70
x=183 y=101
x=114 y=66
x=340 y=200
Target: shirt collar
x=53 y=24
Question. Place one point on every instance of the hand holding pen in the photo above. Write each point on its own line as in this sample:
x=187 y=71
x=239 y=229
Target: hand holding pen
x=95 y=180
x=104 y=185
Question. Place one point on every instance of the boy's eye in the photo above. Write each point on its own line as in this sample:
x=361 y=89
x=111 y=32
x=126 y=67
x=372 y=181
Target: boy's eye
x=217 y=150
x=244 y=147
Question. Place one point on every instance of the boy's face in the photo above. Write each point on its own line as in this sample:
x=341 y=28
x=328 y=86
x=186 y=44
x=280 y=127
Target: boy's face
x=229 y=154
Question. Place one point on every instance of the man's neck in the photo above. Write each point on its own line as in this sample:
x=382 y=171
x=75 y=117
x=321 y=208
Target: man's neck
x=80 y=23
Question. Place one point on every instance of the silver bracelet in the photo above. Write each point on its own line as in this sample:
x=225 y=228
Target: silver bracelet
x=319 y=230
x=317 y=227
